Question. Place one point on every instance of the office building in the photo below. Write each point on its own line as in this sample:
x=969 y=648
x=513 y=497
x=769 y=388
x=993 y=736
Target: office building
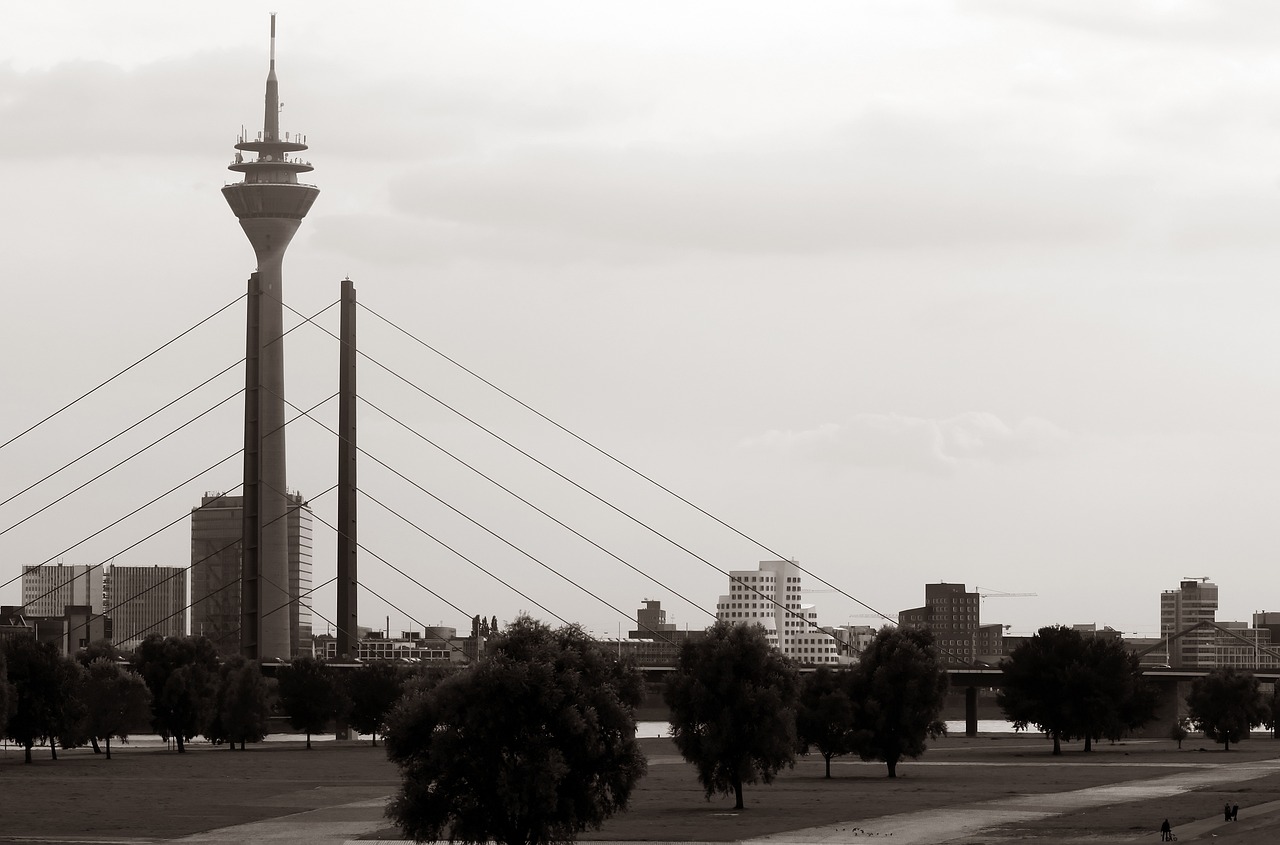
x=216 y=552
x=953 y=615
x=1194 y=602
x=48 y=590
x=773 y=598
x=144 y=600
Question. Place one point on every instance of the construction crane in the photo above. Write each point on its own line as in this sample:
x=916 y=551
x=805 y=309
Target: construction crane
x=1001 y=594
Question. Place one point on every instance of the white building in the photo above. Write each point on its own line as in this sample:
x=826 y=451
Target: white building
x=145 y=600
x=48 y=590
x=773 y=598
x=1195 y=601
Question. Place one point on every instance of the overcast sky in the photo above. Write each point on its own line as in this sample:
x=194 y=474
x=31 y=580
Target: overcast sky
x=979 y=291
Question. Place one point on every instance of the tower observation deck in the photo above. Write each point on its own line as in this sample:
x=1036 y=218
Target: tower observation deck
x=270 y=203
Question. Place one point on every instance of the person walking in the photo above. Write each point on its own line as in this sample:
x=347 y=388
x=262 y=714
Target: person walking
x=1166 y=832
x=1235 y=812
x=1226 y=812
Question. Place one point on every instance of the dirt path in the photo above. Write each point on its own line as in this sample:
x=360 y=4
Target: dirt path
x=959 y=824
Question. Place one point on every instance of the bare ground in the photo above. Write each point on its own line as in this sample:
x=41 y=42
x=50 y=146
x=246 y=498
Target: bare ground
x=150 y=793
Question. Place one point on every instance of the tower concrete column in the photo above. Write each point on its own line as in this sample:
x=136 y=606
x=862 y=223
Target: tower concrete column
x=270 y=204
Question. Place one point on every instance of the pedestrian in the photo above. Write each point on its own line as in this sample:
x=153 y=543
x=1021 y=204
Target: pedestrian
x=1166 y=832
x=1235 y=812
x=1226 y=812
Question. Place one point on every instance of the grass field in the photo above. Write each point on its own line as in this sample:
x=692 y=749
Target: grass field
x=152 y=793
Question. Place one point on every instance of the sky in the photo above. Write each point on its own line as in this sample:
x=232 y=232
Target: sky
x=977 y=291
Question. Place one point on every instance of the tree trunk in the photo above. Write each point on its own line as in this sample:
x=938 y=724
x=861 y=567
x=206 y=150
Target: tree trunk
x=827 y=757
x=308 y=740
x=181 y=749
x=53 y=748
x=892 y=763
x=737 y=793
x=242 y=745
x=108 y=746
x=93 y=740
x=1226 y=744
x=1057 y=745
x=1088 y=743
x=27 y=747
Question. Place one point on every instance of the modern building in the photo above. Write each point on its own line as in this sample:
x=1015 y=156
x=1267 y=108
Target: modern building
x=773 y=598
x=144 y=600
x=854 y=639
x=48 y=590
x=270 y=204
x=953 y=614
x=1239 y=646
x=72 y=629
x=1195 y=601
x=439 y=645
x=217 y=547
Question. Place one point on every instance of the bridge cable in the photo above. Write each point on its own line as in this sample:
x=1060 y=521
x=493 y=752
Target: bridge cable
x=606 y=454
x=760 y=595
x=92 y=390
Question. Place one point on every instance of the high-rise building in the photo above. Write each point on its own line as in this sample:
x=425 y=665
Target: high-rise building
x=772 y=597
x=144 y=600
x=216 y=552
x=953 y=614
x=49 y=590
x=270 y=204
x=1195 y=601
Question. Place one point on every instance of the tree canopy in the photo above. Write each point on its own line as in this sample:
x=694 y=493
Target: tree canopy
x=533 y=745
x=824 y=713
x=241 y=707
x=371 y=691
x=899 y=687
x=1070 y=687
x=309 y=695
x=181 y=674
x=117 y=700
x=38 y=679
x=6 y=692
x=1225 y=704
x=733 y=701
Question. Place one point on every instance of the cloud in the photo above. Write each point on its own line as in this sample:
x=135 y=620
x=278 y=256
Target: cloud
x=890 y=178
x=1188 y=20
x=915 y=443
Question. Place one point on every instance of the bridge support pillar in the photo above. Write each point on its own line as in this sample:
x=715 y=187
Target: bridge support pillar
x=970 y=711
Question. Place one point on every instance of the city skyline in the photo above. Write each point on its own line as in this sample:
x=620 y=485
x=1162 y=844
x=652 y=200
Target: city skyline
x=927 y=292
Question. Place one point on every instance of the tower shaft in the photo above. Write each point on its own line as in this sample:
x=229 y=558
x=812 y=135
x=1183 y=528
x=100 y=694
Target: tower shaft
x=270 y=204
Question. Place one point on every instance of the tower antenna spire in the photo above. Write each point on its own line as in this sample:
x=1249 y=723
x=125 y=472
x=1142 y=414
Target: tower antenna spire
x=271 y=120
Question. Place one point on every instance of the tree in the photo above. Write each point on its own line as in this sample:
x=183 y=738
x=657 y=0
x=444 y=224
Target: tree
x=733 y=700
x=1225 y=704
x=6 y=693
x=181 y=674
x=1179 y=732
x=1112 y=697
x=241 y=709
x=533 y=745
x=85 y=656
x=899 y=687
x=117 y=701
x=35 y=672
x=309 y=695
x=372 y=690
x=824 y=714
x=1069 y=687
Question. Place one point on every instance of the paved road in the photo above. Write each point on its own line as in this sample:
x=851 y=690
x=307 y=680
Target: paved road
x=342 y=825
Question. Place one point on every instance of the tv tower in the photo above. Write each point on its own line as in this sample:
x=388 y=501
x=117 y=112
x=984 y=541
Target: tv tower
x=270 y=204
